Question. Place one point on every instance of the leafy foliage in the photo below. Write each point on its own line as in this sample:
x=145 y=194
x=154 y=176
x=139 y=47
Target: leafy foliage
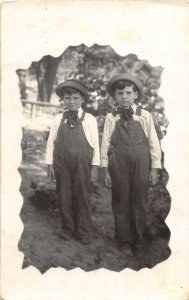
x=94 y=66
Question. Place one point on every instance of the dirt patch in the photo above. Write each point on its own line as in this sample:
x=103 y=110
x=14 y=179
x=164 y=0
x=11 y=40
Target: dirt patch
x=40 y=242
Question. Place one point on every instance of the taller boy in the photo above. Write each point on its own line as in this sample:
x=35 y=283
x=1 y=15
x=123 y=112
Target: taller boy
x=131 y=155
x=72 y=156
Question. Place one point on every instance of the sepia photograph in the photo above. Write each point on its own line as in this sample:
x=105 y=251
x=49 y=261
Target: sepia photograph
x=94 y=147
x=72 y=208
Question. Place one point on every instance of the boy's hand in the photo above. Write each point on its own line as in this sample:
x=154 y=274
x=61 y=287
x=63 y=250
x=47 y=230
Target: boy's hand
x=153 y=176
x=50 y=172
x=94 y=175
x=107 y=179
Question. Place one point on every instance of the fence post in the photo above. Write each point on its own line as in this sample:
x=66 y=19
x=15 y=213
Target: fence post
x=33 y=112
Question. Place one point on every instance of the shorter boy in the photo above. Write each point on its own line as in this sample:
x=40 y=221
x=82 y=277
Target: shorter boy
x=131 y=154
x=72 y=156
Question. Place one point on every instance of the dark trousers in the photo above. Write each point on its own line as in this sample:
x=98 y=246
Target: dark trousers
x=72 y=165
x=129 y=164
x=73 y=194
x=129 y=174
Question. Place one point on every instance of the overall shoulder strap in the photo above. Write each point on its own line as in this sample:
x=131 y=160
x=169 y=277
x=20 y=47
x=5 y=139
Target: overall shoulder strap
x=82 y=116
x=64 y=117
x=138 y=111
x=114 y=111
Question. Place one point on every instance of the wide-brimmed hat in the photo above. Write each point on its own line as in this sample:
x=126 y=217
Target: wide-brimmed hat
x=72 y=83
x=124 y=76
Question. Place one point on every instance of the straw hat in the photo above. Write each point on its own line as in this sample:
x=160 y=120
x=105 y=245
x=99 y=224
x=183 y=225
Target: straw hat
x=124 y=76
x=72 y=83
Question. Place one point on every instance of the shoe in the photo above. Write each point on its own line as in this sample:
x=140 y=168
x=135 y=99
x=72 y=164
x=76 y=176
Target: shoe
x=64 y=236
x=138 y=246
x=126 y=248
x=85 y=241
x=76 y=236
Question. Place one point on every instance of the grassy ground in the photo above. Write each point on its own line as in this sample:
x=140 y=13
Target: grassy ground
x=40 y=243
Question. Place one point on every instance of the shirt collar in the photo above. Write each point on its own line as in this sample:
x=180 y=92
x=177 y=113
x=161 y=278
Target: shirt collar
x=80 y=111
x=134 y=108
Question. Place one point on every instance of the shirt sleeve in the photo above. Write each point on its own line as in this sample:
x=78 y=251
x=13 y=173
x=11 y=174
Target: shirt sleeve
x=154 y=145
x=95 y=142
x=50 y=141
x=106 y=137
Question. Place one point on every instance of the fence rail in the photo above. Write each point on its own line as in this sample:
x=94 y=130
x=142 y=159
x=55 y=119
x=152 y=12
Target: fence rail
x=34 y=104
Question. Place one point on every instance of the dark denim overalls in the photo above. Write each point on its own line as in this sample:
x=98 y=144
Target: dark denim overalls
x=129 y=164
x=72 y=164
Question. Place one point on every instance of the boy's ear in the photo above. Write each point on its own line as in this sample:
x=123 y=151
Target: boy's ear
x=83 y=99
x=136 y=94
x=114 y=94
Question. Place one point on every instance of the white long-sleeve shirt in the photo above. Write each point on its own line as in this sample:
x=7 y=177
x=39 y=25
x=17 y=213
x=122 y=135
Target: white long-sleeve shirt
x=147 y=124
x=90 y=129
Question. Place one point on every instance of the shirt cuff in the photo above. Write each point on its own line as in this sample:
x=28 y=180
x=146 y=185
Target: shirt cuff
x=95 y=162
x=156 y=164
x=104 y=163
x=48 y=162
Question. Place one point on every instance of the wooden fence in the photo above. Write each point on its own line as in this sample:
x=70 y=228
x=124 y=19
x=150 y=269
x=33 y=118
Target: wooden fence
x=34 y=105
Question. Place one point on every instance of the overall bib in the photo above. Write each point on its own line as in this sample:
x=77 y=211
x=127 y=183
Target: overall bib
x=72 y=164
x=129 y=165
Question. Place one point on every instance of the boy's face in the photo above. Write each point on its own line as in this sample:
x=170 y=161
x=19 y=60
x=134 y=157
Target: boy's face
x=73 y=101
x=125 y=97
